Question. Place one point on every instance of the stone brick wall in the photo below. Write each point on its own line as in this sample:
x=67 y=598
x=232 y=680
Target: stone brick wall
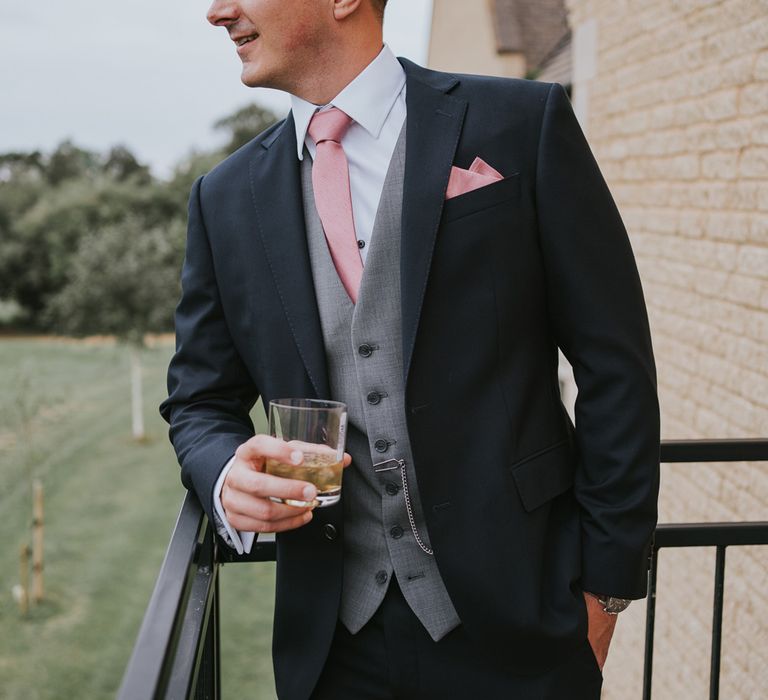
x=462 y=40
x=673 y=96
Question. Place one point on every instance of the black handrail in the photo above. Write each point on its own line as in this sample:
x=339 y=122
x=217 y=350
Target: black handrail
x=176 y=654
x=755 y=450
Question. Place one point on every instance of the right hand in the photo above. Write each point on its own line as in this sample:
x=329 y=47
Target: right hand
x=246 y=489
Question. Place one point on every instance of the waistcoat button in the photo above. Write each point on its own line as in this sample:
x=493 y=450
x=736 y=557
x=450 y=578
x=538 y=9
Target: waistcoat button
x=381 y=576
x=373 y=398
x=381 y=445
x=330 y=531
x=361 y=243
x=365 y=350
x=392 y=488
x=396 y=532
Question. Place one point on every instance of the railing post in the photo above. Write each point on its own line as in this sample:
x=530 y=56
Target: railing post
x=717 y=624
x=208 y=680
x=650 y=620
x=194 y=670
x=152 y=662
x=217 y=632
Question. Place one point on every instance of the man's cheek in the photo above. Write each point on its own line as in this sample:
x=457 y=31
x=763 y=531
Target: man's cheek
x=300 y=35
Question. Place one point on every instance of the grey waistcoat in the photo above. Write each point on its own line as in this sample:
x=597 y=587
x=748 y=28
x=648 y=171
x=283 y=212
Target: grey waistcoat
x=363 y=346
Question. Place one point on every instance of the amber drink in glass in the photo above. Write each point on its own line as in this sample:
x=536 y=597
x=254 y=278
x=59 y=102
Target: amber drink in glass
x=318 y=429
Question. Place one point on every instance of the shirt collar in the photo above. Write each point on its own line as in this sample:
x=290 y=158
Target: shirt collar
x=368 y=99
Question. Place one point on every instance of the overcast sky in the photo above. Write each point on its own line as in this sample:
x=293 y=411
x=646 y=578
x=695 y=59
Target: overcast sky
x=153 y=75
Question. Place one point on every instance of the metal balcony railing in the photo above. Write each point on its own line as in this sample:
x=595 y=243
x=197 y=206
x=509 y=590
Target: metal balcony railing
x=176 y=654
x=718 y=535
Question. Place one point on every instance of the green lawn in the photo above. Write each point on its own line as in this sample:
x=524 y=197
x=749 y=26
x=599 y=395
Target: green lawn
x=110 y=507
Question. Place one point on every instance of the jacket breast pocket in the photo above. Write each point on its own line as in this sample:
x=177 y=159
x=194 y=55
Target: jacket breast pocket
x=545 y=474
x=482 y=198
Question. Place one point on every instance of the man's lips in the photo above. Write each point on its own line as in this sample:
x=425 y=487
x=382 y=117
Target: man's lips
x=244 y=39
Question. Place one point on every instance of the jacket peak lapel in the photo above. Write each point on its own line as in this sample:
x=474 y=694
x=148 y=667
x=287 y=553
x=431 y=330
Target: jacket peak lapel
x=433 y=126
x=277 y=199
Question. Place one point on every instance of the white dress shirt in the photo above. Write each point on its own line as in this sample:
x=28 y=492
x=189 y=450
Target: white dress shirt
x=375 y=100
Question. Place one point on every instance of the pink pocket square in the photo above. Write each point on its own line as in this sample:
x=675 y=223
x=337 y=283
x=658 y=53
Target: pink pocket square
x=479 y=175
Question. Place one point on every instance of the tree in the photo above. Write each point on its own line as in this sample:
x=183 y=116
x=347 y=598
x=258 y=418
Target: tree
x=120 y=164
x=22 y=183
x=185 y=174
x=49 y=204
x=244 y=124
x=40 y=233
x=123 y=280
x=69 y=162
x=22 y=167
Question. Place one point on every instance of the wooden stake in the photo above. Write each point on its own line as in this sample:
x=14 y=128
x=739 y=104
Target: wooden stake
x=37 y=541
x=137 y=408
x=23 y=597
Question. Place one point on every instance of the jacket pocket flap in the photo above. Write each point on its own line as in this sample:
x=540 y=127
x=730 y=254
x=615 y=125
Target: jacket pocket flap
x=544 y=475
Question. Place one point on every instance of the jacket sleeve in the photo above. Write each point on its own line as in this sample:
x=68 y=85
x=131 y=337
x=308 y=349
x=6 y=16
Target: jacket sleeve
x=599 y=319
x=210 y=391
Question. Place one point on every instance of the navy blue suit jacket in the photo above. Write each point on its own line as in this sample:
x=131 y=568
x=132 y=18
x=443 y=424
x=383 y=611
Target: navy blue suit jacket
x=523 y=510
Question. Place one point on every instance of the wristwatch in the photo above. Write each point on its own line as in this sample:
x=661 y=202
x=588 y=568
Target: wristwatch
x=612 y=605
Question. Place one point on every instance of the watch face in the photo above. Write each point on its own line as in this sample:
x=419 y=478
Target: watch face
x=616 y=605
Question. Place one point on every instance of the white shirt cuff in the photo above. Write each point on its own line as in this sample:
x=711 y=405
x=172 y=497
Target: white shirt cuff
x=241 y=542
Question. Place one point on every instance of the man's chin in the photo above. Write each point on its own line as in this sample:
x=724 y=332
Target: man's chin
x=251 y=78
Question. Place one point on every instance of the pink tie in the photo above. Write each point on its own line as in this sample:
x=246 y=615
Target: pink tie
x=330 y=180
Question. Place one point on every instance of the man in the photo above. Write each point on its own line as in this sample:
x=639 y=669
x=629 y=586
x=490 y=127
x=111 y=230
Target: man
x=418 y=245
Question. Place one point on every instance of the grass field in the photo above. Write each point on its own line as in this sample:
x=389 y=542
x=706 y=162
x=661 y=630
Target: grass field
x=110 y=507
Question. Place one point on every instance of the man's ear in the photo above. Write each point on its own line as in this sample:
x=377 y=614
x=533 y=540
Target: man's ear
x=344 y=8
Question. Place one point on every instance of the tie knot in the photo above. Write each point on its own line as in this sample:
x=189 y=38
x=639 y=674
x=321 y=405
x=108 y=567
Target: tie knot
x=329 y=125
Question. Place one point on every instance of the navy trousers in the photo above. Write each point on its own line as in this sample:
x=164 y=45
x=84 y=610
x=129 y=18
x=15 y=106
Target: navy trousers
x=393 y=658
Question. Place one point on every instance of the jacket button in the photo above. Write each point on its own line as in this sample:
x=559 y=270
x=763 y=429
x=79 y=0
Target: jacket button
x=381 y=576
x=361 y=243
x=396 y=532
x=391 y=488
x=330 y=531
x=373 y=398
x=381 y=445
x=365 y=350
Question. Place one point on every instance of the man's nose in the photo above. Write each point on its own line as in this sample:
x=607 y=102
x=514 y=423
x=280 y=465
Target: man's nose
x=222 y=12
